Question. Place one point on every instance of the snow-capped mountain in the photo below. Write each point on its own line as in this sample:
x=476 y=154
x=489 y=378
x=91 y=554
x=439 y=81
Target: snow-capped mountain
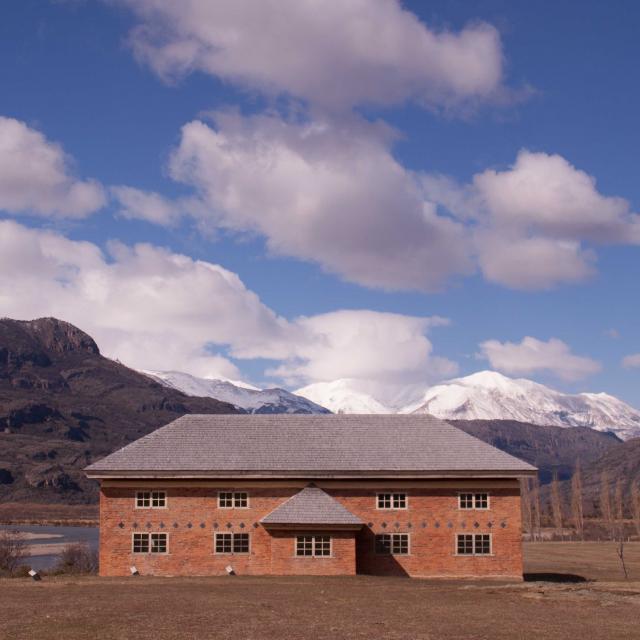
x=342 y=396
x=240 y=394
x=488 y=395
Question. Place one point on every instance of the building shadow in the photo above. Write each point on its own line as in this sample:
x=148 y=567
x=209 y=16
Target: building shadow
x=554 y=577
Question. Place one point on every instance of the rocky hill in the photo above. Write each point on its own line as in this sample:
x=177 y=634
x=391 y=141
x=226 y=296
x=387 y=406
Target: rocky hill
x=62 y=405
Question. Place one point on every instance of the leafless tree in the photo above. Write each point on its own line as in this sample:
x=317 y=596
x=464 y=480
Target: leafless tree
x=619 y=521
x=536 y=507
x=577 y=509
x=12 y=552
x=635 y=505
x=525 y=502
x=605 y=503
x=556 y=504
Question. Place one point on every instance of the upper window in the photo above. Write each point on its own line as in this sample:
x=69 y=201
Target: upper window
x=396 y=544
x=474 y=544
x=151 y=499
x=318 y=546
x=473 y=500
x=232 y=543
x=150 y=542
x=392 y=501
x=233 y=499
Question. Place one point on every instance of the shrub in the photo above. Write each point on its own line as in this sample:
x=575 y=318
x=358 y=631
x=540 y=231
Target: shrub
x=13 y=552
x=77 y=558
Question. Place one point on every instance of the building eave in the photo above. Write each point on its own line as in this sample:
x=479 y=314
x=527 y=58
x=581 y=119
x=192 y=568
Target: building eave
x=308 y=475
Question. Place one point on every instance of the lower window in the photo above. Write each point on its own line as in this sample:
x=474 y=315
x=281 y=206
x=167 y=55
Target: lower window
x=150 y=542
x=395 y=544
x=473 y=544
x=232 y=543
x=318 y=546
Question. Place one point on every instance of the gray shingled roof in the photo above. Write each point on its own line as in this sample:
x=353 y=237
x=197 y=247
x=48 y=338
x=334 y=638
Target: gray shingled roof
x=311 y=506
x=307 y=445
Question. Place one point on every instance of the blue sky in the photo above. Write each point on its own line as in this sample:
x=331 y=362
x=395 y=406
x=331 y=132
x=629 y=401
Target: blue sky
x=567 y=88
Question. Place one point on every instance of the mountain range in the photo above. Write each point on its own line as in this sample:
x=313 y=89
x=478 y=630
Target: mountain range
x=241 y=395
x=489 y=395
x=63 y=405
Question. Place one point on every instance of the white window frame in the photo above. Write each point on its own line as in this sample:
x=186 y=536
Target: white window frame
x=392 y=534
x=392 y=494
x=234 y=499
x=474 y=499
x=232 y=552
x=148 y=534
x=473 y=544
x=151 y=492
x=313 y=537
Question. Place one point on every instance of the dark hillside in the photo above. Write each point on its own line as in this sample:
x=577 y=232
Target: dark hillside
x=551 y=449
x=62 y=405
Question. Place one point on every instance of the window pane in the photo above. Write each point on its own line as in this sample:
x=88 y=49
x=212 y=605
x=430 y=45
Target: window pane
x=158 y=499
x=400 y=544
x=143 y=499
x=384 y=501
x=223 y=543
x=225 y=500
x=240 y=500
x=240 y=543
x=465 y=544
x=322 y=546
x=483 y=544
x=304 y=545
x=383 y=543
x=482 y=501
x=140 y=543
x=399 y=500
x=466 y=501
x=158 y=543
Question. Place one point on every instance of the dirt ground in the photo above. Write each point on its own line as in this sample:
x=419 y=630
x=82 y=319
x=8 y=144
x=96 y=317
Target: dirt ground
x=242 y=608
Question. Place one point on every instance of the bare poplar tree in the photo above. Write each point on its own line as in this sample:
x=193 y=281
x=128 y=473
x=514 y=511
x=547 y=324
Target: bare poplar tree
x=605 y=503
x=619 y=521
x=525 y=502
x=536 y=507
x=635 y=505
x=577 y=509
x=556 y=504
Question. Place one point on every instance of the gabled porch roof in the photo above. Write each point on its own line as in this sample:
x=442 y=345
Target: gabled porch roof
x=311 y=508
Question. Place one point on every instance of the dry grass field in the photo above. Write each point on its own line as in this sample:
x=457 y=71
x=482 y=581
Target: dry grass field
x=242 y=608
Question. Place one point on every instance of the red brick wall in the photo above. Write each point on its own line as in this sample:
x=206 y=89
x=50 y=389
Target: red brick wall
x=432 y=514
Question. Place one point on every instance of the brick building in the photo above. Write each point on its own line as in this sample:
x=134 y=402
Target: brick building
x=310 y=494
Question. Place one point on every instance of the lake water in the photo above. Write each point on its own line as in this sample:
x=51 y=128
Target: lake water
x=53 y=535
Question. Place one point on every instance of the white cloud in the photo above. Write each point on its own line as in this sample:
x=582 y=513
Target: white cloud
x=531 y=263
x=545 y=194
x=154 y=309
x=145 y=205
x=536 y=356
x=36 y=178
x=631 y=361
x=334 y=54
x=533 y=221
x=326 y=193
x=369 y=345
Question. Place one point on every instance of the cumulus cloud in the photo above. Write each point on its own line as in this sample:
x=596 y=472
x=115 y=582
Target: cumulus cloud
x=631 y=361
x=154 y=309
x=535 y=221
x=536 y=356
x=36 y=176
x=146 y=205
x=330 y=194
x=333 y=54
x=386 y=347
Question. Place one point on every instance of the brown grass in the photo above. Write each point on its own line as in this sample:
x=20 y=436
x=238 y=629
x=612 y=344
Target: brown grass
x=242 y=608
